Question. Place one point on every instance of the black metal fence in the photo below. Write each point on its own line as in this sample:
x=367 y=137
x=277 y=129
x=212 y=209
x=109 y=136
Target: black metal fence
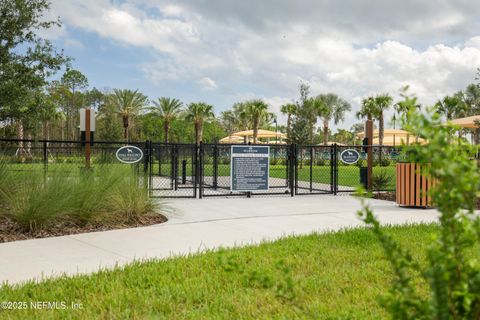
x=190 y=171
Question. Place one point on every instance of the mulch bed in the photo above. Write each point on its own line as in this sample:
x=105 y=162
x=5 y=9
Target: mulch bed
x=389 y=196
x=9 y=230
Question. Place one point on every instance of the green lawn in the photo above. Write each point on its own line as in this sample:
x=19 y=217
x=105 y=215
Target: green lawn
x=348 y=176
x=329 y=276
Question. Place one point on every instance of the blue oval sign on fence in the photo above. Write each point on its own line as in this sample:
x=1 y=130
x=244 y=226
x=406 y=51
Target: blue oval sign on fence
x=349 y=156
x=129 y=154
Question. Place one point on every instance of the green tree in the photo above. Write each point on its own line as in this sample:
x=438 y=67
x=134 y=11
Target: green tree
x=73 y=82
x=332 y=107
x=109 y=125
x=168 y=109
x=27 y=61
x=198 y=113
x=344 y=136
x=256 y=111
x=452 y=106
x=127 y=104
x=368 y=109
x=289 y=110
x=383 y=103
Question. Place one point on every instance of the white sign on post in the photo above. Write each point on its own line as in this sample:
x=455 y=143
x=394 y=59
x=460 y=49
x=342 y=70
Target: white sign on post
x=83 y=120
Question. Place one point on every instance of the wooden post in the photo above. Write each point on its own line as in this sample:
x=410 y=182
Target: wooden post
x=369 y=135
x=87 y=138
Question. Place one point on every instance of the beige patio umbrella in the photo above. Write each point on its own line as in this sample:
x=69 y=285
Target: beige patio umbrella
x=386 y=133
x=399 y=140
x=467 y=122
x=261 y=134
x=232 y=139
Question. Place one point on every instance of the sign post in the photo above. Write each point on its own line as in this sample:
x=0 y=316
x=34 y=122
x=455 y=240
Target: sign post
x=87 y=127
x=250 y=168
x=369 y=135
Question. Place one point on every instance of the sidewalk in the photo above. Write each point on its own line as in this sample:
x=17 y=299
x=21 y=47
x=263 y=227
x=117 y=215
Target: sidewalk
x=194 y=225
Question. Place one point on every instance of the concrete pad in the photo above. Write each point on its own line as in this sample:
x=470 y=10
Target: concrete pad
x=194 y=226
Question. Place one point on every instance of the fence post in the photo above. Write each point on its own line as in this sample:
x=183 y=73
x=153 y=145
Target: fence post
x=369 y=134
x=184 y=171
x=311 y=169
x=332 y=169
x=199 y=150
x=335 y=169
x=293 y=169
x=172 y=166
x=215 y=167
x=175 y=168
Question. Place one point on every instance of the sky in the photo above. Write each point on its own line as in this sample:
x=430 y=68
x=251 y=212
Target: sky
x=226 y=51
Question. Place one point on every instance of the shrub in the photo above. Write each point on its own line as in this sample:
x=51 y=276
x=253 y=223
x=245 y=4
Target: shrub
x=381 y=179
x=451 y=274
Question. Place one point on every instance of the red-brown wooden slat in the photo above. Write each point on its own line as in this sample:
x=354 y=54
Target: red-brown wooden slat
x=424 y=188
x=407 y=185
x=412 y=184
x=417 y=185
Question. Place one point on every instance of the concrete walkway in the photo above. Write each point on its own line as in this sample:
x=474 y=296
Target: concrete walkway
x=194 y=225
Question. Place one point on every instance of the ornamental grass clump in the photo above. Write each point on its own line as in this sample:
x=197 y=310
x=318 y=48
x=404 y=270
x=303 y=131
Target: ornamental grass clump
x=104 y=195
x=451 y=274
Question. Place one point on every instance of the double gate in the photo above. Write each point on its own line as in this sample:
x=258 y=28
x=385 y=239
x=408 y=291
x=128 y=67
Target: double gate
x=190 y=171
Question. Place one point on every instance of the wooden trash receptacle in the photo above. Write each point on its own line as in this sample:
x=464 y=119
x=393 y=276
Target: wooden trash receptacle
x=412 y=188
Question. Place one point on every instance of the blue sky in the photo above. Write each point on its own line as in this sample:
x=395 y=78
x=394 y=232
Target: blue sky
x=224 y=51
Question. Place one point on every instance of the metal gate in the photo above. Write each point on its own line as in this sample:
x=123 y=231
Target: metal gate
x=173 y=170
x=215 y=175
x=315 y=170
x=190 y=171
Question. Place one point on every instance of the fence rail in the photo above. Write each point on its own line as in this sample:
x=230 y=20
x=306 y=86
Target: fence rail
x=191 y=171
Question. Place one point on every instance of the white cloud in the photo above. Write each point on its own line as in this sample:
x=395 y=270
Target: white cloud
x=348 y=48
x=207 y=84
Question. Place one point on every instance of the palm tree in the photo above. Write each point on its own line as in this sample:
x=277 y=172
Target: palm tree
x=472 y=99
x=383 y=102
x=127 y=104
x=198 y=113
x=332 y=107
x=452 y=106
x=168 y=109
x=256 y=111
x=288 y=109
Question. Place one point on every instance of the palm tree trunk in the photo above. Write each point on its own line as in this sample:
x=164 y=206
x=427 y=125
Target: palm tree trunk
x=200 y=132
x=255 y=130
x=197 y=133
x=325 y=132
x=125 y=128
x=166 y=129
x=380 y=129
x=288 y=126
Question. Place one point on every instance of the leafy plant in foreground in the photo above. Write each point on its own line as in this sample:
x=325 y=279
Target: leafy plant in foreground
x=452 y=274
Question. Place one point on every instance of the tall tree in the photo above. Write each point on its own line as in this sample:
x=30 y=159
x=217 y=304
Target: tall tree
x=368 y=109
x=127 y=104
x=168 y=109
x=257 y=112
x=26 y=60
x=289 y=110
x=332 y=107
x=383 y=102
x=74 y=82
x=198 y=113
x=452 y=106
